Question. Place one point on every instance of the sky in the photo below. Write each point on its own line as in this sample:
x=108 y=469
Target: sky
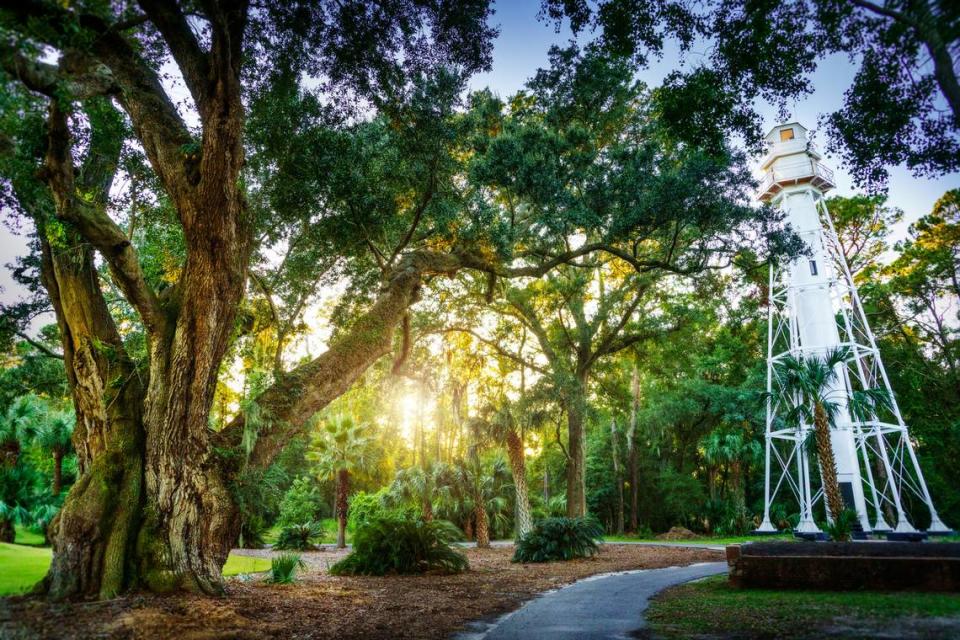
x=521 y=49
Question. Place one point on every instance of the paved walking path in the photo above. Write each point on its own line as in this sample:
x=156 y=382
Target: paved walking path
x=644 y=543
x=608 y=606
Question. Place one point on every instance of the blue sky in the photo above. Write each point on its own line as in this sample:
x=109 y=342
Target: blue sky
x=522 y=47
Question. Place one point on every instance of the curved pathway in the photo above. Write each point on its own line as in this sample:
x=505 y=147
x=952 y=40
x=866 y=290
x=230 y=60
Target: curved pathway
x=607 y=606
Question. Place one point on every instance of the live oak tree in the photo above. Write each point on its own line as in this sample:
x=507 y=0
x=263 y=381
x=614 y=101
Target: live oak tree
x=152 y=506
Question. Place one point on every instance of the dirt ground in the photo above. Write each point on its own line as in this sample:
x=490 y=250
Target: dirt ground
x=324 y=606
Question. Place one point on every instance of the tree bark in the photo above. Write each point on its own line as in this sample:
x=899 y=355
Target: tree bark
x=57 y=472
x=343 y=490
x=576 y=476
x=524 y=520
x=632 y=450
x=828 y=466
x=7 y=531
x=95 y=531
x=617 y=474
x=427 y=509
x=482 y=524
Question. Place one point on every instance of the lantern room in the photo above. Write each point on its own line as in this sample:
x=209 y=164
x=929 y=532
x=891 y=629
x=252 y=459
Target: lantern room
x=791 y=160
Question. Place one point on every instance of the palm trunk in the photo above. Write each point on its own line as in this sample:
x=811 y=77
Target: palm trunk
x=828 y=466
x=468 y=527
x=426 y=509
x=483 y=525
x=7 y=531
x=524 y=521
x=343 y=489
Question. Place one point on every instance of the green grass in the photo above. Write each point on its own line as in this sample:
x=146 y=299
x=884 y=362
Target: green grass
x=705 y=540
x=245 y=564
x=712 y=608
x=22 y=566
x=28 y=537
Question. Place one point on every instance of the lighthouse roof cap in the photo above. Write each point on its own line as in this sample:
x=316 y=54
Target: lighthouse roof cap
x=773 y=136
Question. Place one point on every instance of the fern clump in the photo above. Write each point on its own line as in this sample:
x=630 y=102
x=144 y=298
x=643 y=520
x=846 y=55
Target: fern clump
x=283 y=568
x=559 y=539
x=299 y=537
x=399 y=545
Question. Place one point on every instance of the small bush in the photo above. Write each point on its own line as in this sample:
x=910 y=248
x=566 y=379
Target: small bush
x=283 y=568
x=841 y=529
x=252 y=533
x=559 y=539
x=302 y=503
x=403 y=545
x=299 y=537
x=367 y=507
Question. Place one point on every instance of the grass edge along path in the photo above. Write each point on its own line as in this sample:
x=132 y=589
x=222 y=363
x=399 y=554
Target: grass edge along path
x=706 y=540
x=712 y=608
x=22 y=566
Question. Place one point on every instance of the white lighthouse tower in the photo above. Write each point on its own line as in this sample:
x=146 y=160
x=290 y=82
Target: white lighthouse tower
x=813 y=308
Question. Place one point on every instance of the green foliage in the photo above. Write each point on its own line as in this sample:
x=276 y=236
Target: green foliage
x=398 y=545
x=368 y=507
x=284 y=567
x=900 y=108
x=841 y=529
x=559 y=539
x=302 y=503
x=299 y=537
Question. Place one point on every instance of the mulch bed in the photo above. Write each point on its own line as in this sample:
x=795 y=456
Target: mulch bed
x=323 y=606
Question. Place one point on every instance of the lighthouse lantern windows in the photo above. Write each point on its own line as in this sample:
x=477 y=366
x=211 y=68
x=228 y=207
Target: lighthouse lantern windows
x=786 y=134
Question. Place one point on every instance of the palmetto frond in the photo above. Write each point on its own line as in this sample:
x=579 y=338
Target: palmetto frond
x=55 y=433
x=865 y=404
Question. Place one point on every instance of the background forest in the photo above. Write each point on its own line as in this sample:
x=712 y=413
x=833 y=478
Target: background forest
x=404 y=294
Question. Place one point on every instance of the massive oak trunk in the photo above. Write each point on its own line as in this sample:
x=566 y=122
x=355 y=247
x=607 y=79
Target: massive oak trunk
x=95 y=532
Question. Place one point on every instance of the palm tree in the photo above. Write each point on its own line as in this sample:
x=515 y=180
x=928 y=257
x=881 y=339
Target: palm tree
x=338 y=449
x=505 y=428
x=810 y=382
x=17 y=426
x=54 y=437
x=481 y=489
x=419 y=485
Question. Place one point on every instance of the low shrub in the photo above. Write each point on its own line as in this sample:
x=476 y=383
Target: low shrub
x=559 y=539
x=302 y=503
x=401 y=545
x=252 y=533
x=283 y=568
x=299 y=537
x=367 y=507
